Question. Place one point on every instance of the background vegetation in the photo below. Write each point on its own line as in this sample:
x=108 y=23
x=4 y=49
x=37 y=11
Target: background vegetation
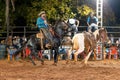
x=26 y=11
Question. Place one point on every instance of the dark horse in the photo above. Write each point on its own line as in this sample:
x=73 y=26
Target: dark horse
x=57 y=31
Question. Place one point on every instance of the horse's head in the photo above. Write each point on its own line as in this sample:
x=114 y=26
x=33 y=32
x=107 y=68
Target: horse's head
x=61 y=27
x=101 y=35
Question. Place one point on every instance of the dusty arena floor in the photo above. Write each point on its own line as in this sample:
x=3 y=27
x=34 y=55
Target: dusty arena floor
x=95 y=70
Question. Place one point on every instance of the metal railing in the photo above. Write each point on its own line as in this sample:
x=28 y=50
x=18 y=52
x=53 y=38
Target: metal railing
x=25 y=31
x=114 y=30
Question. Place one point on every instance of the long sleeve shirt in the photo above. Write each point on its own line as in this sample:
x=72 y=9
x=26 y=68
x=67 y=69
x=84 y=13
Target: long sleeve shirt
x=40 y=23
x=91 y=20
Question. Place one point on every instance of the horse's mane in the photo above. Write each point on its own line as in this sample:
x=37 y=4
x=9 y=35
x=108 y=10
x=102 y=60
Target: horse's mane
x=96 y=33
x=58 y=21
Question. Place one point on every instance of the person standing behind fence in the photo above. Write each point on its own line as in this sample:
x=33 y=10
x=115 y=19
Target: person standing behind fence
x=74 y=23
x=43 y=26
x=113 y=51
x=92 y=22
x=11 y=49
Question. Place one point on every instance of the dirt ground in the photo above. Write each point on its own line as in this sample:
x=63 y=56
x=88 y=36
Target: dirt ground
x=95 y=70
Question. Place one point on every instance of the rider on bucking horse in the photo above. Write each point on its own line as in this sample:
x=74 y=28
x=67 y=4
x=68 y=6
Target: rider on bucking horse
x=43 y=26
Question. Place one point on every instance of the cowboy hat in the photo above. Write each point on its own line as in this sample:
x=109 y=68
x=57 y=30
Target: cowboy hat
x=42 y=12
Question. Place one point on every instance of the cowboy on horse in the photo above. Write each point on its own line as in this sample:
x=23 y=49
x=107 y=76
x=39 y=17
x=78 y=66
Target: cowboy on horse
x=43 y=27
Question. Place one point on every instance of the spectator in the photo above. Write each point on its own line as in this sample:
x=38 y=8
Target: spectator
x=117 y=43
x=74 y=23
x=112 y=38
x=18 y=42
x=15 y=42
x=11 y=50
x=113 y=51
x=23 y=40
x=9 y=40
x=92 y=22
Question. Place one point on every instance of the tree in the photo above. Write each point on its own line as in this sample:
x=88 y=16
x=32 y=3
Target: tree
x=27 y=10
x=83 y=12
x=55 y=9
x=7 y=14
x=2 y=12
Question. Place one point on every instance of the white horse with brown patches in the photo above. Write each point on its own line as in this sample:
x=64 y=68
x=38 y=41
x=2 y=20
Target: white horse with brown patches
x=86 y=42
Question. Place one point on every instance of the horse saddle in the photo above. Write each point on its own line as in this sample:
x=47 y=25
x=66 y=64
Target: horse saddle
x=40 y=35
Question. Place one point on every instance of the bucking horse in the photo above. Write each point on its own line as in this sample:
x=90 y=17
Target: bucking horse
x=86 y=42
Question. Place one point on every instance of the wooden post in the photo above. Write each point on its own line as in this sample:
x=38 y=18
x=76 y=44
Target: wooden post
x=7 y=16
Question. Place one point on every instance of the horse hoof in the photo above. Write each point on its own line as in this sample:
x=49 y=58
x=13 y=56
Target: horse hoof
x=74 y=62
x=67 y=62
x=34 y=64
x=42 y=63
x=82 y=62
x=55 y=64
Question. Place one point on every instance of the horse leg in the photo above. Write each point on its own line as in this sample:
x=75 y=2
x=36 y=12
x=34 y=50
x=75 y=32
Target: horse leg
x=87 y=57
x=75 y=56
x=79 y=51
x=24 y=54
x=55 y=56
x=40 y=59
x=68 y=55
x=94 y=54
x=13 y=57
x=30 y=57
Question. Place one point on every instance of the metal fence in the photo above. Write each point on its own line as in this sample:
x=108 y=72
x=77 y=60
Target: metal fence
x=112 y=30
x=26 y=31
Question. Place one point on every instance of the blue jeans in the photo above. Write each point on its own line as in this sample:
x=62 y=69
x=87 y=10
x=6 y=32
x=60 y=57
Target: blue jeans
x=92 y=27
x=11 y=52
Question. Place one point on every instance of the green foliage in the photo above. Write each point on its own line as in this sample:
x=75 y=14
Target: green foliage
x=84 y=10
x=55 y=9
